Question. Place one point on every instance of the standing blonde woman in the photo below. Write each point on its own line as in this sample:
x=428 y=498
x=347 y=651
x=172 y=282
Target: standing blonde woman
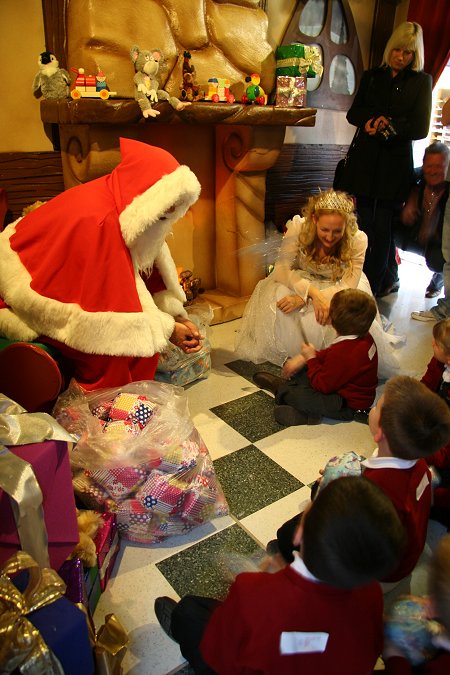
x=320 y=254
x=391 y=109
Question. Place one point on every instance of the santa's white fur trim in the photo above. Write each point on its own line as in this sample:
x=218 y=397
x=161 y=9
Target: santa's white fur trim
x=179 y=188
x=111 y=333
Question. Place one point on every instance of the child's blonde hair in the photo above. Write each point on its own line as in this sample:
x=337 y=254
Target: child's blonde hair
x=326 y=203
x=441 y=333
x=352 y=311
x=439 y=581
x=414 y=420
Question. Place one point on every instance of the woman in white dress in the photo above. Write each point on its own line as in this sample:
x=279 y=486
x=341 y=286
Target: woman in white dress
x=320 y=254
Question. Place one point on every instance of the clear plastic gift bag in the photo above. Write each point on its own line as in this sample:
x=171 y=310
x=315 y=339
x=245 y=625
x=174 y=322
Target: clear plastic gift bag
x=139 y=455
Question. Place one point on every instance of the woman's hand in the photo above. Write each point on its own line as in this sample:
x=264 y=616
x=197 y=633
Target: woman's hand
x=185 y=335
x=375 y=125
x=320 y=304
x=290 y=303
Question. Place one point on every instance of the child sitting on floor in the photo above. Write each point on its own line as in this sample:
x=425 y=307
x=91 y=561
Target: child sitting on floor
x=409 y=422
x=322 y=611
x=437 y=378
x=417 y=633
x=338 y=382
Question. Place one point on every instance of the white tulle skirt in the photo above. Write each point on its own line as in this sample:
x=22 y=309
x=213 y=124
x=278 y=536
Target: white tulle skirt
x=267 y=334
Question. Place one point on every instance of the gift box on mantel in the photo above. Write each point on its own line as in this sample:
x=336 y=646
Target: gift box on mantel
x=291 y=92
x=298 y=59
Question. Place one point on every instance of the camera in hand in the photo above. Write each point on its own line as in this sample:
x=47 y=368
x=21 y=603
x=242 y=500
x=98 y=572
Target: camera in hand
x=387 y=132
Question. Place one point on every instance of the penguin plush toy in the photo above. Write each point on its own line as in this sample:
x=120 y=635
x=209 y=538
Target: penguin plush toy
x=51 y=81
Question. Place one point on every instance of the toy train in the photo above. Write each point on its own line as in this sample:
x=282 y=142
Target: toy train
x=219 y=90
x=90 y=86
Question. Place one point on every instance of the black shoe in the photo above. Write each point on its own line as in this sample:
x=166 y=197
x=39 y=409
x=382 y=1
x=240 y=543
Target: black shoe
x=291 y=417
x=361 y=416
x=392 y=288
x=432 y=292
x=164 y=607
x=265 y=380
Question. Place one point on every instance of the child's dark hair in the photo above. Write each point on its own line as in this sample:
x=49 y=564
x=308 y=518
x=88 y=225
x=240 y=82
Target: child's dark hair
x=352 y=533
x=352 y=312
x=439 y=581
x=441 y=333
x=414 y=420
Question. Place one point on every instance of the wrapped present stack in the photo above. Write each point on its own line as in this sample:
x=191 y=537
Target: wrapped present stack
x=295 y=63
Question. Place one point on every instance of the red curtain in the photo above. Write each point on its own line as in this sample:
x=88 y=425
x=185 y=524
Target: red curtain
x=434 y=17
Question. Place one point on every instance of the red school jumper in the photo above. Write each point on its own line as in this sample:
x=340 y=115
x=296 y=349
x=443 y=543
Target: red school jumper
x=408 y=486
x=243 y=634
x=347 y=367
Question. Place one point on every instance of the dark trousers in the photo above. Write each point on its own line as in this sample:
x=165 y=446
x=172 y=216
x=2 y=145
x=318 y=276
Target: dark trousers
x=189 y=620
x=298 y=393
x=375 y=219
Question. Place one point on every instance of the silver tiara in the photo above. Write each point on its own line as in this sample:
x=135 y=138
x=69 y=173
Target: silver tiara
x=334 y=201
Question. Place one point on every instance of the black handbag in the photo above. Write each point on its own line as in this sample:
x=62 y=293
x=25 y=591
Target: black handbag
x=339 y=181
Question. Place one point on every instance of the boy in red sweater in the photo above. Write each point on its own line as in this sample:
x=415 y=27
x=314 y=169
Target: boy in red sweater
x=408 y=423
x=338 y=382
x=437 y=378
x=322 y=611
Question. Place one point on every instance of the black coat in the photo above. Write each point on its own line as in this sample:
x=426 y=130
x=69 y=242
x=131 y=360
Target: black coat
x=377 y=167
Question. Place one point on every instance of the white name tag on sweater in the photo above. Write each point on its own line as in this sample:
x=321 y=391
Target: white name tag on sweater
x=302 y=643
x=422 y=486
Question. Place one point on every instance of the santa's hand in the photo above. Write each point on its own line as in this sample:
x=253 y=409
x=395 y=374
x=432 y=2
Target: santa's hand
x=185 y=337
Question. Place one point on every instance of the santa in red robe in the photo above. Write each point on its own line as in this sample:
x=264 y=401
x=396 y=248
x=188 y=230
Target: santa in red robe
x=90 y=273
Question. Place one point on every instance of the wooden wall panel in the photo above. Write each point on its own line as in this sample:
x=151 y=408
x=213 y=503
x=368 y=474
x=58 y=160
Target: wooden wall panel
x=301 y=170
x=28 y=177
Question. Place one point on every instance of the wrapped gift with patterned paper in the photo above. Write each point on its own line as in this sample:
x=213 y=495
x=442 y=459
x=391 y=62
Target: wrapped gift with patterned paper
x=119 y=481
x=298 y=59
x=348 y=464
x=107 y=545
x=409 y=627
x=291 y=92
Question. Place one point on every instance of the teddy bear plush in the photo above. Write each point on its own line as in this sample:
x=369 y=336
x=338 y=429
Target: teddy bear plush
x=147 y=64
x=89 y=523
x=51 y=81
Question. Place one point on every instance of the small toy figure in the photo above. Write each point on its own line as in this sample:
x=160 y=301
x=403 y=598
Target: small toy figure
x=191 y=286
x=190 y=91
x=254 y=92
x=147 y=64
x=51 y=81
x=101 y=81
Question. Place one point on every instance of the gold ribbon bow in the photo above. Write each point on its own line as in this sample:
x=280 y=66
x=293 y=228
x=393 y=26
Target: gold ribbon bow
x=314 y=59
x=110 y=646
x=21 y=644
x=109 y=643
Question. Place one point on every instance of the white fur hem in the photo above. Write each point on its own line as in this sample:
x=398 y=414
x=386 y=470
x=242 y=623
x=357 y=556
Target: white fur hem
x=111 y=333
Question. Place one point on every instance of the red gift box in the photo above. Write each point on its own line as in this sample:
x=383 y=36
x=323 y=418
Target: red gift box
x=50 y=463
x=108 y=545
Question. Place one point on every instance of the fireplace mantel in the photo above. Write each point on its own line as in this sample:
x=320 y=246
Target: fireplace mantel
x=230 y=148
